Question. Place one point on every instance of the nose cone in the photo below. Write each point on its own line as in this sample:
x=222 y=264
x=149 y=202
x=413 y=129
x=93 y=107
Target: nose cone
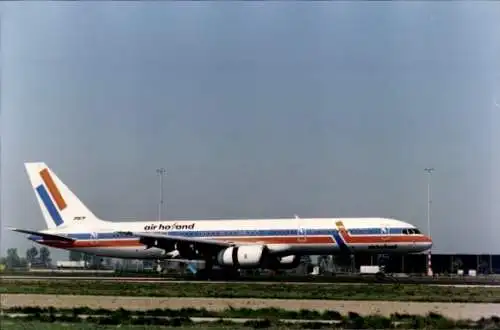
x=427 y=243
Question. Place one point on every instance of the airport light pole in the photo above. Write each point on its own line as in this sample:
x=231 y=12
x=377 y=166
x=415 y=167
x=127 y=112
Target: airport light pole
x=160 y=172
x=429 y=171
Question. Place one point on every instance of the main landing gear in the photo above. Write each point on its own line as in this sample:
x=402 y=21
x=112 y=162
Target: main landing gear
x=217 y=275
x=221 y=274
x=158 y=266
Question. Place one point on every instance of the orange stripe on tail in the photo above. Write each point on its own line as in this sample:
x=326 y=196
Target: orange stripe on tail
x=54 y=192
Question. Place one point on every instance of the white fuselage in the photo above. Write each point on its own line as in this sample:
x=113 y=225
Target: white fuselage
x=287 y=236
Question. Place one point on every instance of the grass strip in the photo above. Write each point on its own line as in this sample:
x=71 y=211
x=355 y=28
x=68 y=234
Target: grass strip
x=257 y=318
x=16 y=324
x=275 y=313
x=390 y=292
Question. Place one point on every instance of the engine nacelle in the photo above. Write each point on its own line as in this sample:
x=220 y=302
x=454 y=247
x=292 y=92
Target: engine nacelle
x=172 y=254
x=288 y=262
x=246 y=256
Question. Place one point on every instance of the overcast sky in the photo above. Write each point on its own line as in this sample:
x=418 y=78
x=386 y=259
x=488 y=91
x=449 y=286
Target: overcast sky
x=257 y=110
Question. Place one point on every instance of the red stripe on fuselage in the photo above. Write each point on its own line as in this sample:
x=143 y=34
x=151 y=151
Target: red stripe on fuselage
x=135 y=242
x=281 y=239
x=377 y=239
x=91 y=243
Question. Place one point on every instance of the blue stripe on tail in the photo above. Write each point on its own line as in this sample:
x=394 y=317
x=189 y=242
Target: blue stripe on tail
x=49 y=205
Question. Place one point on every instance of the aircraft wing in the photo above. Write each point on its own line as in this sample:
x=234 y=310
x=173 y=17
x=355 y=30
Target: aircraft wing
x=45 y=236
x=159 y=239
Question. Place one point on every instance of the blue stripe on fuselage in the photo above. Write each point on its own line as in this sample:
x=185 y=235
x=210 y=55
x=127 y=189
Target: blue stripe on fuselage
x=245 y=233
x=49 y=205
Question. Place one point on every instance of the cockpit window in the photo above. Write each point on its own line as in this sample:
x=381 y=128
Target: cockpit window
x=411 y=231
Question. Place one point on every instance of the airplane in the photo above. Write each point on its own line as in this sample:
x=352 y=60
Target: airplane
x=230 y=244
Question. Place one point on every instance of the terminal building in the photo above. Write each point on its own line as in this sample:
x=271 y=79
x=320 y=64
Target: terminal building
x=442 y=264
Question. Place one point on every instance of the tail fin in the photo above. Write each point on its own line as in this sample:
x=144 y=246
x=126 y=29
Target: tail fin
x=60 y=207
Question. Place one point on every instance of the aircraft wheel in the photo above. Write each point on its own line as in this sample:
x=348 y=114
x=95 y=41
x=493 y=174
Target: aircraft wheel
x=380 y=276
x=203 y=275
x=231 y=274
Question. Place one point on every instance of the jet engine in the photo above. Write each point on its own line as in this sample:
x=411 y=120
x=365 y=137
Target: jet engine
x=246 y=256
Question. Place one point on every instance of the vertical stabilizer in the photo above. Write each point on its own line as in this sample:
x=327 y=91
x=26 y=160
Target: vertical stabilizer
x=60 y=207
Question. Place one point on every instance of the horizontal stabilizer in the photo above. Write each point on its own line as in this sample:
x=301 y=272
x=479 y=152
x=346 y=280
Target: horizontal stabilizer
x=43 y=235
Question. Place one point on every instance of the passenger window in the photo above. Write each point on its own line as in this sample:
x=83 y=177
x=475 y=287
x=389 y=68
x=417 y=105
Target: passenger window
x=405 y=231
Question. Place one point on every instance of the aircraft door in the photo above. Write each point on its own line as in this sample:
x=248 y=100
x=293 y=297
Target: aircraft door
x=94 y=236
x=301 y=231
x=385 y=231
